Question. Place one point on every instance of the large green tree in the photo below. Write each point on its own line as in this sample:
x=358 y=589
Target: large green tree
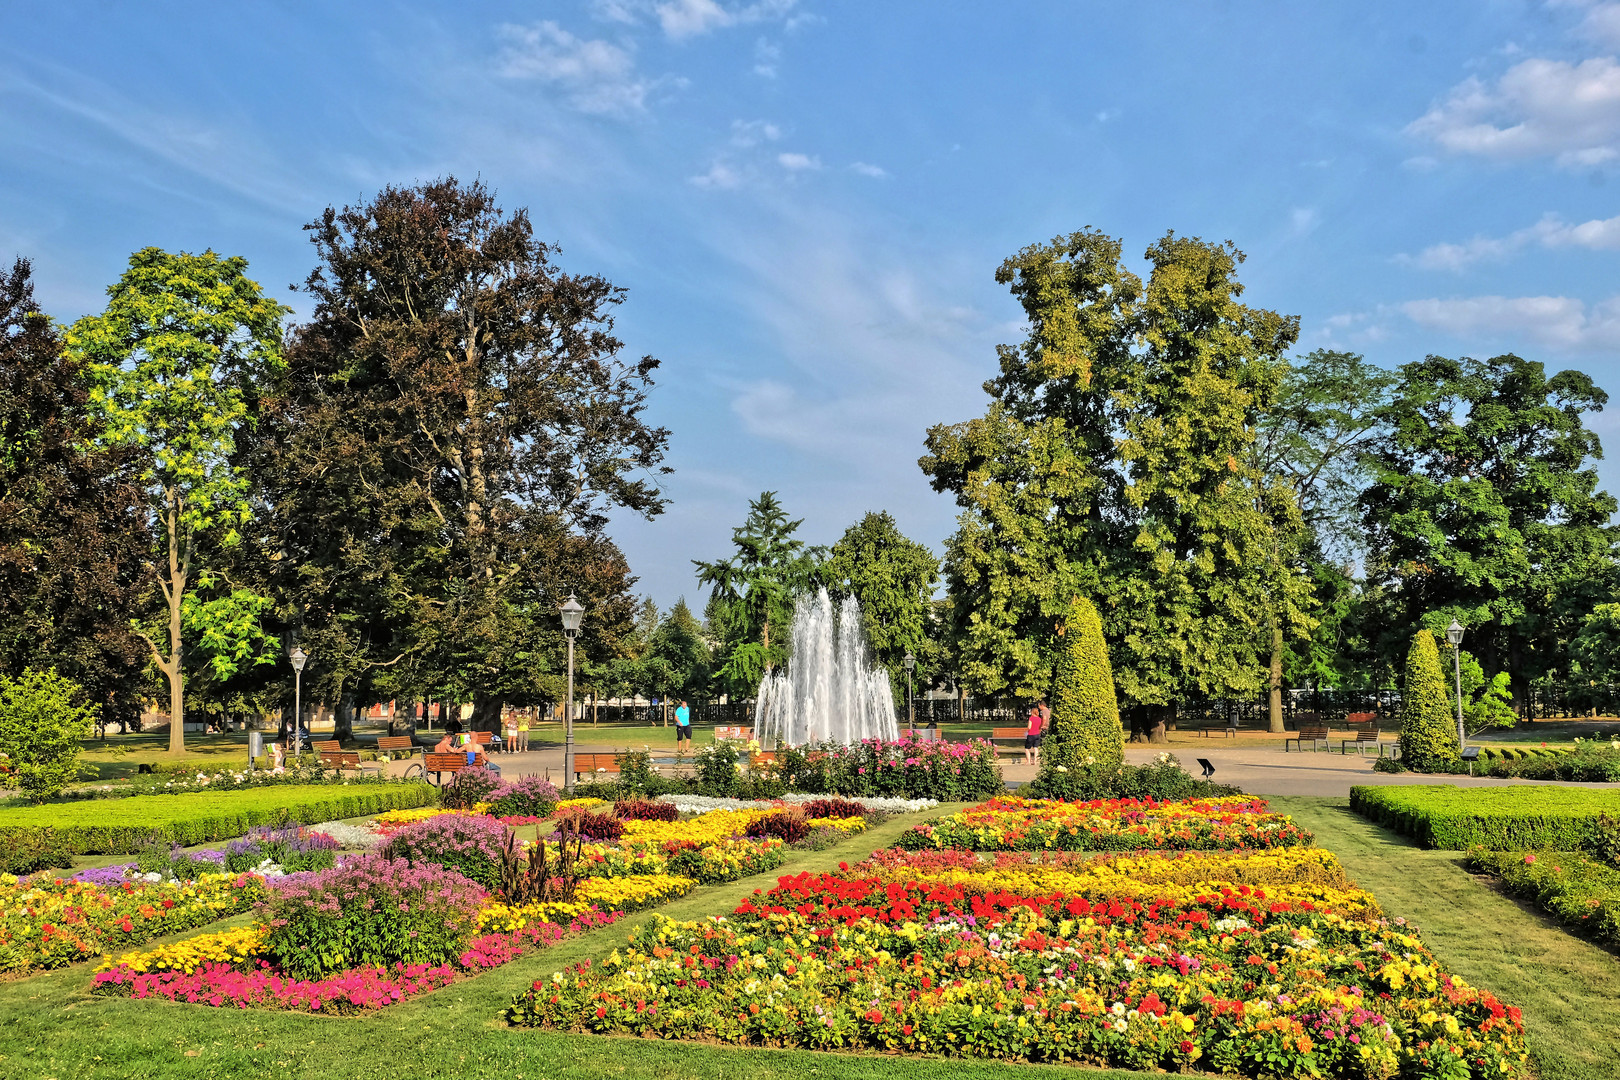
x=1116 y=462
x=893 y=577
x=1486 y=508
x=751 y=594
x=455 y=425
x=176 y=357
x=1314 y=441
x=73 y=534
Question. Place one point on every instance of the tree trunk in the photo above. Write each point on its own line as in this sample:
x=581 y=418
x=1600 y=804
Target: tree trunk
x=1276 y=726
x=343 y=726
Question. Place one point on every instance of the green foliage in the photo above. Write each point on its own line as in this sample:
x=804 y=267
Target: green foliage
x=176 y=360
x=124 y=826
x=1596 y=649
x=682 y=648
x=1163 y=778
x=752 y=593
x=28 y=851
x=1428 y=728
x=1085 y=729
x=717 y=772
x=1580 y=892
x=1116 y=461
x=1485 y=507
x=1518 y=818
x=43 y=717
x=893 y=578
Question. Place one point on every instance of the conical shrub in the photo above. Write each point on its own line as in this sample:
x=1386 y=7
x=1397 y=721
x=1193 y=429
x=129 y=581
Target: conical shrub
x=1085 y=713
x=1428 y=728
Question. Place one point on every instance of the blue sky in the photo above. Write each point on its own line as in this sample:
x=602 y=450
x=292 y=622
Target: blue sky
x=808 y=200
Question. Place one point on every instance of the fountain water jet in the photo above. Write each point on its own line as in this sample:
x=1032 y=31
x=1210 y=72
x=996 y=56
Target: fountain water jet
x=830 y=690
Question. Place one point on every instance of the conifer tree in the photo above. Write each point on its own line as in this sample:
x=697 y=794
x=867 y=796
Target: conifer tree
x=1085 y=728
x=1428 y=731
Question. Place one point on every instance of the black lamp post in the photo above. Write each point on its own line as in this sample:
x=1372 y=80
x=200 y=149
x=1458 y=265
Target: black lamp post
x=1454 y=634
x=573 y=613
x=911 y=712
x=299 y=658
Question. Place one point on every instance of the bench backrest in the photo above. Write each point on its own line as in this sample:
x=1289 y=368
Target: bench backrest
x=1367 y=735
x=341 y=759
x=451 y=762
x=733 y=731
x=482 y=738
x=327 y=746
x=1361 y=717
x=1313 y=732
x=396 y=742
x=596 y=763
x=1008 y=732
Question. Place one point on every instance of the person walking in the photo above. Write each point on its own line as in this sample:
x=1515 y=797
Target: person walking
x=1034 y=732
x=683 y=726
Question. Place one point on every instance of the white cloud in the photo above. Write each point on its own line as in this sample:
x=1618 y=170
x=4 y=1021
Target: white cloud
x=597 y=76
x=798 y=162
x=692 y=18
x=1602 y=21
x=1599 y=234
x=766 y=57
x=1538 y=108
x=719 y=177
x=746 y=133
x=876 y=172
x=1557 y=322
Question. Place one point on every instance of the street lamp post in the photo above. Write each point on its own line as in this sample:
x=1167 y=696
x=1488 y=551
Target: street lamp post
x=1454 y=634
x=911 y=712
x=299 y=658
x=573 y=612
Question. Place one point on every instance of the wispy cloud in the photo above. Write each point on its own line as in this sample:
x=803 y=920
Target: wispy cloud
x=1538 y=108
x=1557 y=322
x=746 y=133
x=766 y=58
x=798 y=162
x=680 y=19
x=876 y=172
x=1599 y=234
x=596 y=76
x=721 y=177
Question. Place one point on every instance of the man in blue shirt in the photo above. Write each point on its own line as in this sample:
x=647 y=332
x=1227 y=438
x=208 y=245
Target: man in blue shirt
x=683 y=724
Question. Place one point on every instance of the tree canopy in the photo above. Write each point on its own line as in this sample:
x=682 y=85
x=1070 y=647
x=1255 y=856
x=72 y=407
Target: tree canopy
x=893 y=578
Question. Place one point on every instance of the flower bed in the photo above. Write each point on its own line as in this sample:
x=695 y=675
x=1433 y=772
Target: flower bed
x=1015 y=824
x=1262 y=962
x=1520 y=818
x=904 y=768
x=1580 y=892
x=223 y=970
x=48 y=922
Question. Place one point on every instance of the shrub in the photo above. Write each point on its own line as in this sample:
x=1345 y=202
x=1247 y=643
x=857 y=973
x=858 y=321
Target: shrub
x=833 y=808
x=40 y=730
x=1587 y=763
x=1163 y=779
x=124 y=826
x=470 y=786
x=528 y=796
x=372 y=911
x=1428 y=730
x=717 y=770
x=591 y=826
x=644 y=810
x=1576 y=890
x=790 y=828
x=469 y=845
x=1085 y=730
x=1523 y=818
x=28 y=851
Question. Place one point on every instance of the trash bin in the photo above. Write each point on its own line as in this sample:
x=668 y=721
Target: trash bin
x=255 y=747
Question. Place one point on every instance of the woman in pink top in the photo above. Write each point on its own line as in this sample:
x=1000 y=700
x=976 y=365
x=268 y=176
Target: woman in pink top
x=1033 y=733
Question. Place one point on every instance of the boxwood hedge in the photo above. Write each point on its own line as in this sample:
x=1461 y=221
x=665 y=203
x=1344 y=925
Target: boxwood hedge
x=124 y=826
x=1521 y=818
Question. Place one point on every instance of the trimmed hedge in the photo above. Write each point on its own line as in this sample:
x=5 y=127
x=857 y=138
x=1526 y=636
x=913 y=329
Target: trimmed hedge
x=124 y=826
x=1523 y=818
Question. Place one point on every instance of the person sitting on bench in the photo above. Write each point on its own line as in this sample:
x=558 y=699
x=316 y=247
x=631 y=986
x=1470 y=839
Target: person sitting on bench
x=452 y=739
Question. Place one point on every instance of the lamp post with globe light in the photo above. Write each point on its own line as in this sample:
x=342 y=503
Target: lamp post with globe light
x=1454 y=634
x=573 y=613
x=299 y=658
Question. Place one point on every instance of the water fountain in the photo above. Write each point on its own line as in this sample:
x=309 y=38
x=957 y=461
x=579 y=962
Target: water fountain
x=830 y=689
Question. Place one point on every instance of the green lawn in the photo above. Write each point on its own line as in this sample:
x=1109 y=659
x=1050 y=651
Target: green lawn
x=50 y=1027
x=1568 y=988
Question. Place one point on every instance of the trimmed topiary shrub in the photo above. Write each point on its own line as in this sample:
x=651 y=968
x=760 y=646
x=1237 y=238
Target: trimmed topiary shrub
x=1428 y=730
x=1085 y=731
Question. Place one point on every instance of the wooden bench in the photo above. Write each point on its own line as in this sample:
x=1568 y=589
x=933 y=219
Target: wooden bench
x=487 y=739
x=452 y=762
x=1001 y=735
x=1367 y=737
x=326 y=746
x=590 y=764
x=393 y=744
x=1228 y=729
x=733 y=731
x=348 y=759
x=1315 y=735
x=925 y=734
x=764 y=759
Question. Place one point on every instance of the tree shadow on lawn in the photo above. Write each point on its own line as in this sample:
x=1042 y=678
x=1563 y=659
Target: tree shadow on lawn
x=1567 y=987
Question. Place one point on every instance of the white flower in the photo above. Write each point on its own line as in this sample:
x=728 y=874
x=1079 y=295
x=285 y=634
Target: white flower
x=1062 y=768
